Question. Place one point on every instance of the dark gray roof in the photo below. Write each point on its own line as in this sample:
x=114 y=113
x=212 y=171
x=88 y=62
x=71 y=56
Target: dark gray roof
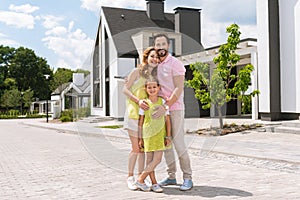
x=82 y=88
x=123 y=23
x=60 y=88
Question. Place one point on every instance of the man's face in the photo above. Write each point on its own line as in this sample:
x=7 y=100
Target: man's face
x=162 y=46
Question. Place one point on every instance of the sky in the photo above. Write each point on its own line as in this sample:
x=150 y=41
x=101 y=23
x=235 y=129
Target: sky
x=63 y=31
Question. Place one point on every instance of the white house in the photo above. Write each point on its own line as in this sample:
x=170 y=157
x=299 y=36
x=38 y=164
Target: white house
x=73 y=95
x=122 y=34
x=278 y=23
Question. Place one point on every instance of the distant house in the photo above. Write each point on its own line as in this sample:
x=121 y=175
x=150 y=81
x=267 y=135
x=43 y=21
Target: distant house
x=73 y=95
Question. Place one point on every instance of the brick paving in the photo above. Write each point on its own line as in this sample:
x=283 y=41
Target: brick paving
x=40 y=163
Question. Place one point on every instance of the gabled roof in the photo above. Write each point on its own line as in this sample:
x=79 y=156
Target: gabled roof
x=123 y=23
x=66 y=87
x=60 y=88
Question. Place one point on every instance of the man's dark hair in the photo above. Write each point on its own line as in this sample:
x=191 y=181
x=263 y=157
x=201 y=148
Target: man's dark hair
x=161 y=35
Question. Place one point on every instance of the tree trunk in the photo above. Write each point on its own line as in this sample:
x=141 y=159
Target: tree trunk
x=220 y=117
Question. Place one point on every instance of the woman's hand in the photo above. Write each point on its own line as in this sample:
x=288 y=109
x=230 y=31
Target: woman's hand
x=143 y=104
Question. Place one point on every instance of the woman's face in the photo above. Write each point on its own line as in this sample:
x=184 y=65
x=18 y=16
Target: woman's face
x=153 y=59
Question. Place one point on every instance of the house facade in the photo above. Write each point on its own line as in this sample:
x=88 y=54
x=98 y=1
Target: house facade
x=123 y=34
x=278 y=23
x=72 y=95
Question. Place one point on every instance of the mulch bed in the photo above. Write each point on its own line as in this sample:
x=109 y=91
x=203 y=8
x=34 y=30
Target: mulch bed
x=227 y=129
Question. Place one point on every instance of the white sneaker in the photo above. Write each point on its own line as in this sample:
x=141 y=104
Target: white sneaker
x=156 y=188
x=130 y=183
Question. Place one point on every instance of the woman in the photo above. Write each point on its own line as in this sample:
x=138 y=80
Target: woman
x=134 y=89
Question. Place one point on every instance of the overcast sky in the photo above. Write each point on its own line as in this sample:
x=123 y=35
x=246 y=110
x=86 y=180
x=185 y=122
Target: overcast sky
x=63 y=31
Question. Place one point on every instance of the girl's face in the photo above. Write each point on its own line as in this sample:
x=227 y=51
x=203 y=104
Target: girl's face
x=152 y=59
x=152 y=88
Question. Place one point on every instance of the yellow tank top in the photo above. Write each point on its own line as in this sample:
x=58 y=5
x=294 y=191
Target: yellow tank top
x=138 y=90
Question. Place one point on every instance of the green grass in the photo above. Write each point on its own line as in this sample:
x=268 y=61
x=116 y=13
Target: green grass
x=110 y=126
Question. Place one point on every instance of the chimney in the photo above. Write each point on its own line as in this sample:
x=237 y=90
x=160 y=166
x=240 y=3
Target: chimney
x=155 y=9
x=187 y=22
x=78 y=79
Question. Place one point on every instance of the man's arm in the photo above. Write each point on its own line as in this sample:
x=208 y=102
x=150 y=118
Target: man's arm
x=179 y=86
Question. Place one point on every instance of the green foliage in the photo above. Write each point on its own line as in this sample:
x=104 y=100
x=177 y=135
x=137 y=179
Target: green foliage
x=11 y=99
x=67 y=116
x=15 y=114
x=27 y=98
x=85 y=72
x=246 y=104
x=111 y=126
x=217 y=88
x=60 y=77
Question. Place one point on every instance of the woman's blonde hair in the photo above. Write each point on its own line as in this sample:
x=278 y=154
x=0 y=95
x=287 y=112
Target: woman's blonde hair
x=144 y=71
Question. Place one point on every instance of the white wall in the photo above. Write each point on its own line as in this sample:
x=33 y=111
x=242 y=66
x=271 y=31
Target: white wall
x=125 y=66
x=297 y=53
x=288 y=54
x=263 y=55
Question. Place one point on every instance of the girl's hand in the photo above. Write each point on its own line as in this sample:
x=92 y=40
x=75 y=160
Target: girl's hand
x=168 y=142
x=141 y=143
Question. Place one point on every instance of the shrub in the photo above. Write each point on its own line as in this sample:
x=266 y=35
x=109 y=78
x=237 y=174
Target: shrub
x=66 y=119
x=67 y=116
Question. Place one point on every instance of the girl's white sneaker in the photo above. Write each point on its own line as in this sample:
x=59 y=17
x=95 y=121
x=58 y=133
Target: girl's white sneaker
x=130 y=183
x=156 y=188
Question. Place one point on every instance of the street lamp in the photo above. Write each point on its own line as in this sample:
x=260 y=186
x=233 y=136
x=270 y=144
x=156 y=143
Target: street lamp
x=47 y=116
x=22 y=93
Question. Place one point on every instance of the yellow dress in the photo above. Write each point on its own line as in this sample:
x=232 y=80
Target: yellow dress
x=154 y=130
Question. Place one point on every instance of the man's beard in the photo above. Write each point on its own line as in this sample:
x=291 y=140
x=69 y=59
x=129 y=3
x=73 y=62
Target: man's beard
x=162 y=52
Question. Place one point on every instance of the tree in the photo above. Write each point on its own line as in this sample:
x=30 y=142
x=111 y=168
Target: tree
x=29 y=70
x=6 y=53
x=223 y=85
x=27 y=98
x=11 y=98
x=60 y=77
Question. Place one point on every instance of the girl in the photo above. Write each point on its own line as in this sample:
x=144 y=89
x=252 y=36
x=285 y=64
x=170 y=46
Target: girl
x=134 y=89
x=156 y=135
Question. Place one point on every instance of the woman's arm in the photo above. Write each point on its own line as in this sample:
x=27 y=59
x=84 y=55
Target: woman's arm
x=128 y=84
x=132 y=77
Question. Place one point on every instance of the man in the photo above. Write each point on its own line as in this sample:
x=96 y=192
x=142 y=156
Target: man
x=171 y=75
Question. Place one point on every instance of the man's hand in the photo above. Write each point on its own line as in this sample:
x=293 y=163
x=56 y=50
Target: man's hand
x=143 y=104
x=158 y=112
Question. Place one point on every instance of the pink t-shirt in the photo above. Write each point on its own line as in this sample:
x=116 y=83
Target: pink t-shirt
x=166 y=70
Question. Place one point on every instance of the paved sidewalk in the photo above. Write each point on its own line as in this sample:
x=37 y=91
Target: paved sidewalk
x=47 y=163
x=281 y=147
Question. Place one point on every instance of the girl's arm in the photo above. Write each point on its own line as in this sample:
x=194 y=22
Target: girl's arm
x=168 y=128
x=140 y=131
